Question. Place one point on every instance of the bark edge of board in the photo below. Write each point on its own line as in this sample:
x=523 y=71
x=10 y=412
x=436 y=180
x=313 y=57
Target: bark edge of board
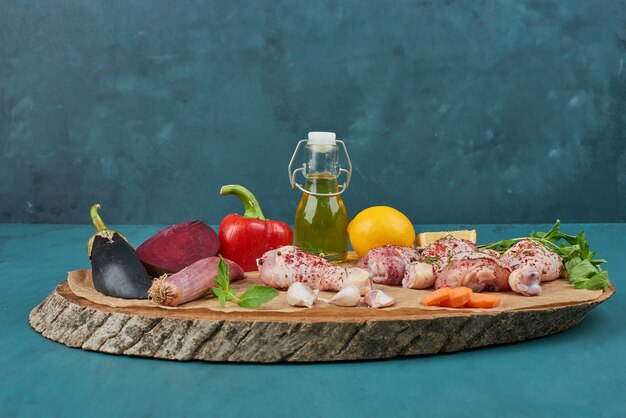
x=76 y=322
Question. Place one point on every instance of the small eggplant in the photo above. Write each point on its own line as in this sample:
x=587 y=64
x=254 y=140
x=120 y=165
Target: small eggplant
x=115 y=268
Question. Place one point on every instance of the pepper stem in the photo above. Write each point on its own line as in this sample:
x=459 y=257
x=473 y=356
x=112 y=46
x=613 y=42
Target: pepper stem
x=250 y=204
x=96 y=219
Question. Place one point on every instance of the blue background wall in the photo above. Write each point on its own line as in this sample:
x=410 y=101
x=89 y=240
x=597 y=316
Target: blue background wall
x=453 y=111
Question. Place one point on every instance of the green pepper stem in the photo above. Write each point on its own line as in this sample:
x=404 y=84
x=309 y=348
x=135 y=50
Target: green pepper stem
x=96 y=219
x=250 y=204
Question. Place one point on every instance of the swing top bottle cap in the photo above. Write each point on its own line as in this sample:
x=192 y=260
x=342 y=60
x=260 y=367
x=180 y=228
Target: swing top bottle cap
x=321 y=138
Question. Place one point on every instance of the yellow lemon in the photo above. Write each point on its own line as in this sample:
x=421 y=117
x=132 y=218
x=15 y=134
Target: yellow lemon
x=427 y=238
x=380 y=225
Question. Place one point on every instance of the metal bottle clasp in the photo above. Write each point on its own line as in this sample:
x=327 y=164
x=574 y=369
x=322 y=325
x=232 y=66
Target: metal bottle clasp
x=292 y=174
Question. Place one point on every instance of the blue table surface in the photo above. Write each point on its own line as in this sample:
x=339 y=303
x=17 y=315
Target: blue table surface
x=580 y=372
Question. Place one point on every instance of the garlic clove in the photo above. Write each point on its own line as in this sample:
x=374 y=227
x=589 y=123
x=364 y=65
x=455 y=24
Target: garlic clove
x=348 y=296
x=301 y=295
x=378 y=299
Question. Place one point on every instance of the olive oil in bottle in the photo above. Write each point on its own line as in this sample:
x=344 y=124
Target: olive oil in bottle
x=321 y=222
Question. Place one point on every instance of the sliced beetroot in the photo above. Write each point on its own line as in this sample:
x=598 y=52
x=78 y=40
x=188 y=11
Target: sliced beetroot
x=178 y=246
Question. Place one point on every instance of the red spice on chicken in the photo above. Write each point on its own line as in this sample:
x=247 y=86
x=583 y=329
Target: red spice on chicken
x=280 y=267
x=532 y=264
x=475 y=270
x=433 y=258
x=386 y=264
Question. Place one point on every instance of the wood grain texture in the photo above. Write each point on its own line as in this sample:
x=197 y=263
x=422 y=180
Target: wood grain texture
x=267 y=337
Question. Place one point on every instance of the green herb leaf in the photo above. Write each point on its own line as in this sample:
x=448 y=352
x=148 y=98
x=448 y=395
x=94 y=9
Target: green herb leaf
x=310 y=249
x=222 y=275
x=252 y=297
x=553 y=231
x=583 y=269
x=500 y=246
x=571 y=263
x=220 y=294
x=583 y=247
x=598 y=281
x=222 y=291
x=584 y=275
x=255 y=296
x=598 y=261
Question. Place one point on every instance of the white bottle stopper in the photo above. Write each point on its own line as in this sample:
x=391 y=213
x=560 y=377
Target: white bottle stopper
x=321 y=138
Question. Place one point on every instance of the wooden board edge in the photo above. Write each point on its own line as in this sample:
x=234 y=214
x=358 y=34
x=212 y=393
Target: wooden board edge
x=257 y=341
x=331 y=314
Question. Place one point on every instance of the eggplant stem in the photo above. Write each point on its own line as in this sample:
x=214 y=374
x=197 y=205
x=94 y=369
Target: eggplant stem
x=96 y=219
x=250 y=204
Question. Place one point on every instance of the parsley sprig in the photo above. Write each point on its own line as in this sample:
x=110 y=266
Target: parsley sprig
x=252 y=297
x=430 y=260
x=583 y=269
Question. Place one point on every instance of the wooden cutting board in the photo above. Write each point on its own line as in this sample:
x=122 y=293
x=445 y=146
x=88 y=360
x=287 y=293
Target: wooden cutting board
x=302 y=335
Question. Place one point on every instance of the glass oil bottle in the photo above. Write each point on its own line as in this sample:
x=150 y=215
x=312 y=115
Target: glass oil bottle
x=321 y=220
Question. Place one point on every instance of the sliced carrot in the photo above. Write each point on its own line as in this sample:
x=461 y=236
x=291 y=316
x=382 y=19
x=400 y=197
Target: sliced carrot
x=483 y=300
x=457 y=297
x=437 y=296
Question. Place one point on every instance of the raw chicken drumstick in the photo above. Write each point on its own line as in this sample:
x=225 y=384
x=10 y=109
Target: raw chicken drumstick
x=454 y=262
x=280 y=267
x=386 y=265
x=421 y=274
x=532 y=264
x=476 y=270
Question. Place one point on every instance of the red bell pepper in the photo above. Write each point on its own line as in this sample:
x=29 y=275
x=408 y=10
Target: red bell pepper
x=245 y=238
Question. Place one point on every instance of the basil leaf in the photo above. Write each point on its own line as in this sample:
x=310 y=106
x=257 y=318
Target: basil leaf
x=566 y=250
x=222 y=275
x=583 y=269
x=598 y=261
x=569 y=264
x=552 y=231
x=255 y=296
x=220 y=294
x=500 y=246
x=571 y=239
x=583 y=246
x=599 y=281
x=219 y=283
